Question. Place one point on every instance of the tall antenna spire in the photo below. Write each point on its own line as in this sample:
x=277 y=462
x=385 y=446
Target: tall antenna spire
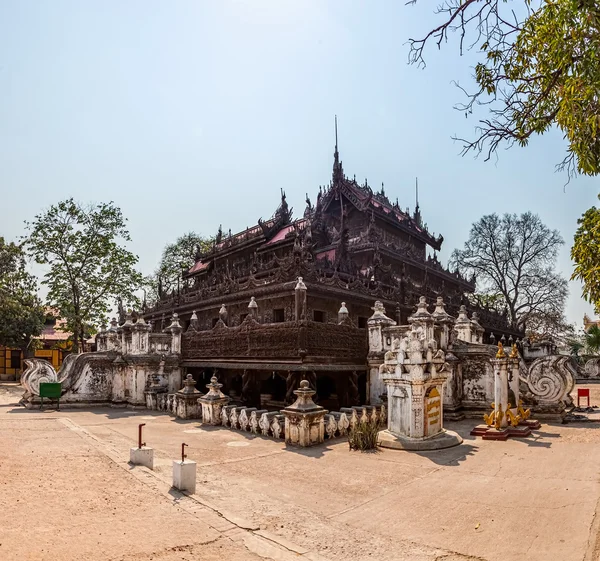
x=417 y=191
x=336 y=139
x=338 y=172
x=417 y=215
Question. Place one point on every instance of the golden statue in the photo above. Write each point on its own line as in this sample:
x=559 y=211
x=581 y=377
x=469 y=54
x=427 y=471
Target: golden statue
x=500 y=353
x=523 y=413
x=513 y=419
x=494 y=417
x=515 y=352
x=491 y=417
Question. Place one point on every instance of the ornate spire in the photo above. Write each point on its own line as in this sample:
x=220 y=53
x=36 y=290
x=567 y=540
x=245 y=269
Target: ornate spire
x=338 y=171
x=417 y=216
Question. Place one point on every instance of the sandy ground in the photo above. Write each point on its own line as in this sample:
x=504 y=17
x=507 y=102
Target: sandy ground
x=67 y=492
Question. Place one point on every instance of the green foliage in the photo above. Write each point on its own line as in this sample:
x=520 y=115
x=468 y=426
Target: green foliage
x=177 y=258
x=592 y=340
x=585 y=253
x=21 y=312
x=514 y=257
x=88 y=269
x=538 y=69
x=363 y=436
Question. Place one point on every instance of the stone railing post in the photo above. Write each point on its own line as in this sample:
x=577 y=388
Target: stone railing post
x=126 y=334
x=304 y=420
x=175 y=330
x=213 y=402
x=377 y=345
x=463 y=326
x=186 y=400
x=139 y=337
x=113 y=341
x=445 y=322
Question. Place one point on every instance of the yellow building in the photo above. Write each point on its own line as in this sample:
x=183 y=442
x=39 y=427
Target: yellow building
x=53 y=345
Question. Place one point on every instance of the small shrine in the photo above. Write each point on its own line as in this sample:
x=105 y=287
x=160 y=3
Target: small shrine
x=414 y=373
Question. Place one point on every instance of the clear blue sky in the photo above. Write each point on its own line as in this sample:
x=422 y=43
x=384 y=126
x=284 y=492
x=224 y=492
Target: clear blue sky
x=189 y=114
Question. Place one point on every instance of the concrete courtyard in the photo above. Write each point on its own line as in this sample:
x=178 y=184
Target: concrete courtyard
x=67 y=492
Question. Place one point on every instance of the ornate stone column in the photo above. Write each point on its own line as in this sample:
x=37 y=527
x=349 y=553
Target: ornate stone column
x=304 y=420
x=186 y=400
x=377 y=347
x=175 y=330
x=213 y=402
x=414 y=375
x=155 y=387
x=463 y=326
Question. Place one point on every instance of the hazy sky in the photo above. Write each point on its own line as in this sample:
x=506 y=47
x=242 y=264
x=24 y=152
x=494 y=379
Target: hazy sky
x=192 y=114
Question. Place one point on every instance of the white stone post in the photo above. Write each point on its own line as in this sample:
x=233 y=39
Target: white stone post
x=186 y=400
x=463 y=326
x=175 y=330
x=184 y=475
x=500 y=364
x=304 y=420
x=213 y=402
x=445 y=322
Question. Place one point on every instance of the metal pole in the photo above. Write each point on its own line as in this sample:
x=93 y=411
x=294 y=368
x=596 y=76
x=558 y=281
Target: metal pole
x=140 y=443
x=183 y=454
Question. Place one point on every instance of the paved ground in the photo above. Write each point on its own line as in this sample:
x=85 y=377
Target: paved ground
x=67 y=492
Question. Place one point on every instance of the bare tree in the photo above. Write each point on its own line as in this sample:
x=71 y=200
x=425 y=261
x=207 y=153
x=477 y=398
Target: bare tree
x=514 y=257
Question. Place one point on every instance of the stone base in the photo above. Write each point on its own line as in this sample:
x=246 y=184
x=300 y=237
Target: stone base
x=454 y=415
x=445 y=439
x=184 y=475
x=531 y=423
x=491 y=433
x=142 y=457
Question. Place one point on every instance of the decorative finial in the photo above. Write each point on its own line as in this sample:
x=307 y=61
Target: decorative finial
x=500 y=353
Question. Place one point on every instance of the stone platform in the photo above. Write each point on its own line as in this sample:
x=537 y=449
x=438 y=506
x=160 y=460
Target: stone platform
x=445 y=439
x=491 y=433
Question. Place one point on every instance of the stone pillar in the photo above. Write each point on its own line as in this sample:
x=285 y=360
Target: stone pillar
x=126 y=334
x=463 y=325
x=113 y=341
x=139 y=337
x=213 y=402
x=175 y=330
x=300 y=298
x=377 y=347
x=304 y=420
x=186 y=400
x=500 y=364
x=504 y=419
x=423 y=320
x=476 y=329
x=155 y=387
x=444 y=321
x=414 y=376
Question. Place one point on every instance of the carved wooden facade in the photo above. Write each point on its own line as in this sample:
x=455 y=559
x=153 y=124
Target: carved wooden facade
x=352 y=246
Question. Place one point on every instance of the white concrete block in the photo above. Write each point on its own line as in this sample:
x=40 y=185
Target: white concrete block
x=142 y=457
x=184 y=475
